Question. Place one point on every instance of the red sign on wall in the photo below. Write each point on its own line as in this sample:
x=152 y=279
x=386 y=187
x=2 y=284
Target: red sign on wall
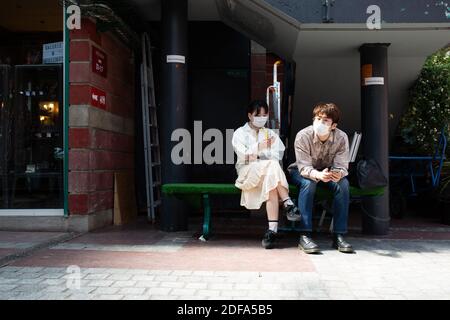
x=99 y=60
x=98 y=98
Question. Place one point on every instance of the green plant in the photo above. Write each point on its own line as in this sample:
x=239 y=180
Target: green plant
x=429 y=104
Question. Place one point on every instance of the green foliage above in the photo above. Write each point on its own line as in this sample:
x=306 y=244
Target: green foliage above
x=429 y=104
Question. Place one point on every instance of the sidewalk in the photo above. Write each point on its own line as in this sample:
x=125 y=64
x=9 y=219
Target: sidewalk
x=14 y=244
x=140 y=262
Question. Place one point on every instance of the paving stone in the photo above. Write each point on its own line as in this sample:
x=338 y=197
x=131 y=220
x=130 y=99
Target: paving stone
x=196 y=285
x=109 y=297
x=136 y=297
x=119 y=276
x=105 y=290
x=209 y=293
x=183 y=292
x=172 y=284
x=100 y=283
x=96 y=276
x=158 y=291
x=124 y=284
x=133 y=291
x=147 y=284
x=7 y=287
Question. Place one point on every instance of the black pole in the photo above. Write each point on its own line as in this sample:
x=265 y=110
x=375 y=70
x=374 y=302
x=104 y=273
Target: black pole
x=173 y=111
x=375 y=131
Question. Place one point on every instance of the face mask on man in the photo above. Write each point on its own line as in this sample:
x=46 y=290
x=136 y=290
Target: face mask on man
x=259 y=122
x=320 y=128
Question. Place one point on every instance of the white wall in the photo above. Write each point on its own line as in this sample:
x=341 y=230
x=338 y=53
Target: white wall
x=337 y=79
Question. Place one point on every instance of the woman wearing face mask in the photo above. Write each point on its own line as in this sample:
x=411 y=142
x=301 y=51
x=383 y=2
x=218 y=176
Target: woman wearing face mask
x=260 y=176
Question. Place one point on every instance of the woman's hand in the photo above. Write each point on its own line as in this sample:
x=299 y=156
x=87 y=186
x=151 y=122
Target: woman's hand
x=266 y=144
x=250 y=157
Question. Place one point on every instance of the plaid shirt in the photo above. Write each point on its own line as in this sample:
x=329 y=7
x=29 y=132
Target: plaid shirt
x=313 y=156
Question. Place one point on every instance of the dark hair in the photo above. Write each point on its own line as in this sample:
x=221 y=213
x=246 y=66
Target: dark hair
x=257 y=105
x=329 y=109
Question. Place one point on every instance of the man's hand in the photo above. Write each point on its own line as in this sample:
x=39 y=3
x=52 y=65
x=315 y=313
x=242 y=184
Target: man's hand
x=266 y=144
x=325 y=175
x=336 y=176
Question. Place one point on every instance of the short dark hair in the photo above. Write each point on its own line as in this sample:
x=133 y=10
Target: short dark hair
x=257 y=105
x=330 y=109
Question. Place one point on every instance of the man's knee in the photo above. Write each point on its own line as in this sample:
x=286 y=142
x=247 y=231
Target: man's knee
x=294 y=177
x=342 y=186
x=308 y=185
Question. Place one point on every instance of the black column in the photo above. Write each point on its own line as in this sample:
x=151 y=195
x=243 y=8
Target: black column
x=375 y=131
x=173 y=110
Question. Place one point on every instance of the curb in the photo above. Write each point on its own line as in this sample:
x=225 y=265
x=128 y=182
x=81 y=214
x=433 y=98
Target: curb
x=4 y=261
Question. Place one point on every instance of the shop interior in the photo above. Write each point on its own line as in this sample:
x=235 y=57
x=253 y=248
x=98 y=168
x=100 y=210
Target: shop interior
x=31 y=100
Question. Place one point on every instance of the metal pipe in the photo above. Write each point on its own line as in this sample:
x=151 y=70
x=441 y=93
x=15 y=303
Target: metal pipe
x=276 y=102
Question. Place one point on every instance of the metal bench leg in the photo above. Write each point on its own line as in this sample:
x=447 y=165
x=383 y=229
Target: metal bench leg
x=322 y=218
x=324 y=212
x=206 y=217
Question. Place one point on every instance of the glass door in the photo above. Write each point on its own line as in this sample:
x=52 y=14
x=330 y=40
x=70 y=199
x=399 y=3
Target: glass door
x=32 y=138
x=5 y=132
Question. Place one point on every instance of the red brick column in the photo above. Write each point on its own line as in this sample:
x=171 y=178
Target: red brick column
x=262 y=73
x=101 y=138
x=258 y=76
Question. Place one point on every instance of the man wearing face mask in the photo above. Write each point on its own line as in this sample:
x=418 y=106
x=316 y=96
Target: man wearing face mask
x=260 y=176
x=322 y=157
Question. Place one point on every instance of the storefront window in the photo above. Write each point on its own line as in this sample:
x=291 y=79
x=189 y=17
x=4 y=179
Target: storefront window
x=31 y=114
x=32 y=137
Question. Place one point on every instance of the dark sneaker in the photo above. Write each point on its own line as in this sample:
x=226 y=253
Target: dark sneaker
x=340 y=244
x=269 y=239
x=292 y=213
x=307 y=245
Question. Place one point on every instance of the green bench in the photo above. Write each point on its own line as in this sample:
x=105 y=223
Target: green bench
x=198 y=194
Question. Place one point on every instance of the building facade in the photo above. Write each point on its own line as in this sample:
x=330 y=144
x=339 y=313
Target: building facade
x=70 y=97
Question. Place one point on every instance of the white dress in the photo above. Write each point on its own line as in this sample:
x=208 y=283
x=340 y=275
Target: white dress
x=257 y=178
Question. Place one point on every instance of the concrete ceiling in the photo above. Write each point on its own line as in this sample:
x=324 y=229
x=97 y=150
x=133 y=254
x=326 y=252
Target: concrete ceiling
x=340 y=41
x=291 y=39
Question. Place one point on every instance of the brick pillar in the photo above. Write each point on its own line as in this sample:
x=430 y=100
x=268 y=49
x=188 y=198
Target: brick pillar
x=262 y=71
x=258 y=72
x=101 y=136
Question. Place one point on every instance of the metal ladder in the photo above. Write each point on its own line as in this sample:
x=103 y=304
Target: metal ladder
x=150 y=130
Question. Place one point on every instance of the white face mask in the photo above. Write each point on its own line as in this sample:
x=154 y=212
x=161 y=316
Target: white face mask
x=320 y=128
x=259 y=122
